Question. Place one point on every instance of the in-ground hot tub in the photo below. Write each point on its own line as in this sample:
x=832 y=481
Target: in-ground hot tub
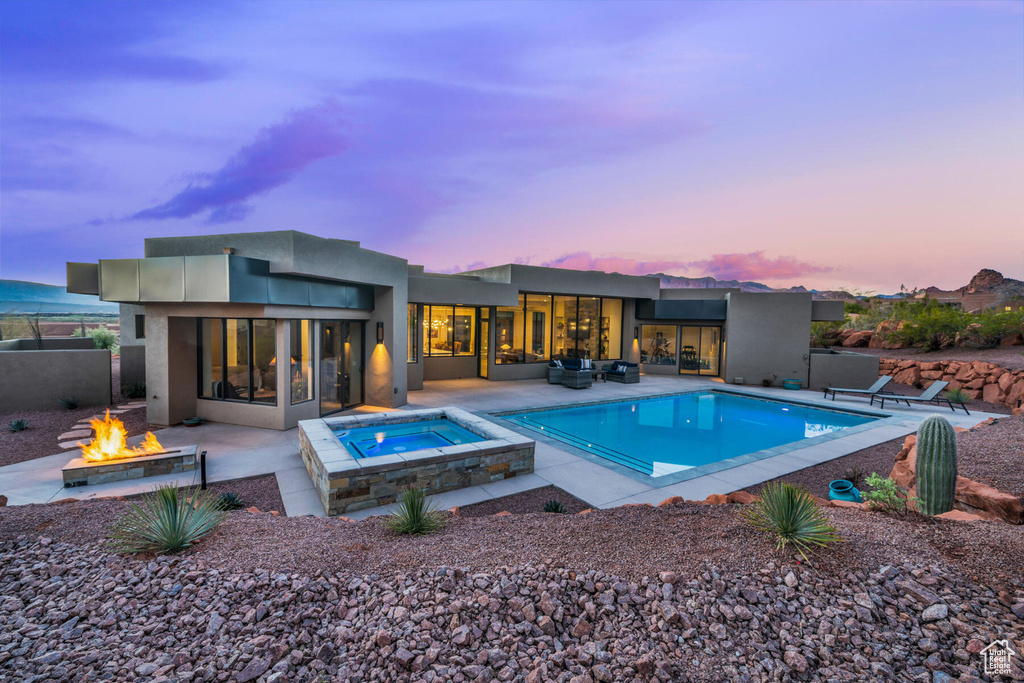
x=366 y=460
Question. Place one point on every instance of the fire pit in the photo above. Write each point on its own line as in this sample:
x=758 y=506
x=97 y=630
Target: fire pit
x=108 y=458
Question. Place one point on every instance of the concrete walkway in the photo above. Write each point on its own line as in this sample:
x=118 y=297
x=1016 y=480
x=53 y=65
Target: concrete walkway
x=234 y=452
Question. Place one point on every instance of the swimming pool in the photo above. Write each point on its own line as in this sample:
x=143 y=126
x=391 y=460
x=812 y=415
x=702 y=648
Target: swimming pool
x=385 y=439
x=670 y=434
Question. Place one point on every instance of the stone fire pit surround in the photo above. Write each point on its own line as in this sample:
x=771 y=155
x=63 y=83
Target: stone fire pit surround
x=345 y=483
x=82 y=472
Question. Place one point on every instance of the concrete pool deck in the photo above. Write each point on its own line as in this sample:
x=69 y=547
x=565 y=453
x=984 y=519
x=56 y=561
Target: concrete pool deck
x=235 y=452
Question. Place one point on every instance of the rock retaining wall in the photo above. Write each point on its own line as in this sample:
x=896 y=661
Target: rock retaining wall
x=982 y=381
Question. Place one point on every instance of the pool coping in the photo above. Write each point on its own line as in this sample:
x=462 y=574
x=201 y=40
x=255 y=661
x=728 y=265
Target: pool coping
x=882 y=419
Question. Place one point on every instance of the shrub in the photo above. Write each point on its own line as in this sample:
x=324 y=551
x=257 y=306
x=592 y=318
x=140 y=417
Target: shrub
x=826 y=333
x=166 y=521
x=554 y=506
x=134 y=390
x=68 y=402
x=957 y=395
x=229 y=501
x=769 y=380
x=17 y=425
x=854 y=476
x=884 y=495
x=103 y=337
x=789 y=513
x=414 y=515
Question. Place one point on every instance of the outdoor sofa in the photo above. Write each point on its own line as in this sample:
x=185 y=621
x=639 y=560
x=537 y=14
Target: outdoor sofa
x=622 y=371
x=929 y=395
x=574 y=373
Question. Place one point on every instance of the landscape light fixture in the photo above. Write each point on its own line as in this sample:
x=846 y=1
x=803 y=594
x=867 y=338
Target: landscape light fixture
x=380 y=333
x=636 y=333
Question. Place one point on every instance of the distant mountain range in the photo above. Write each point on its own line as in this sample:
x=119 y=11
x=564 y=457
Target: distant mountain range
x=18 y=297
x=680 y=282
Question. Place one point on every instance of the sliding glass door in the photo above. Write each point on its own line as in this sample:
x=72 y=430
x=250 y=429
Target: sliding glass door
x=341 y=365
x=700 y=350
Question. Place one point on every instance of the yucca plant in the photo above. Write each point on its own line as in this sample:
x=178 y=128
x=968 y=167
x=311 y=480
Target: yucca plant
x=789 y=513
x=414 y=515
x=230 y=501
x=17 y=425
x=957 y=395
x=166 y=521
x=554 y=506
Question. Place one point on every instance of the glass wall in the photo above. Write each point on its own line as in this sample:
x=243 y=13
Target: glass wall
x=586 y=327
x=658 y=344
x=509 y=346
x=301 y=374
x=341 y=365
x=412 y=343
x=538 y=327
x=485 y=321
x=237 y=359
x=264 y=361
x=449 y=331
x=689 y=354
x=710 y=350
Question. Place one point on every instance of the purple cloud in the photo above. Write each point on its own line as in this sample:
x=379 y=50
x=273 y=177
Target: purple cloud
x=277 y=154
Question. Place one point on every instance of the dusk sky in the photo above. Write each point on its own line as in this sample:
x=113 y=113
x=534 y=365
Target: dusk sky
x=862 y=145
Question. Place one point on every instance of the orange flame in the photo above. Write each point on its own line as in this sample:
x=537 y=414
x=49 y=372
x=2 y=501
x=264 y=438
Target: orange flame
x=111 y=442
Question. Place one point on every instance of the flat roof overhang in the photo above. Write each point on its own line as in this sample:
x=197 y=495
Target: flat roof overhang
x=217 y=278
x=461 y=290
x=682 y=309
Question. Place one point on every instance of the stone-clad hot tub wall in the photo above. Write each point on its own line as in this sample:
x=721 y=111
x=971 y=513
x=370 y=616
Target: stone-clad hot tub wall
x=346 y=484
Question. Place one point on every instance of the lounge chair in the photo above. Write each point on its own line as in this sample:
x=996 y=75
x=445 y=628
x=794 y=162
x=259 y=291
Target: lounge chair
x=870 y=391
x=554 y=372
x=929 y=395
x=575 y=376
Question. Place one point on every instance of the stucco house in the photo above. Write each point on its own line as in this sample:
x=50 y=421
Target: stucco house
x=266 y=329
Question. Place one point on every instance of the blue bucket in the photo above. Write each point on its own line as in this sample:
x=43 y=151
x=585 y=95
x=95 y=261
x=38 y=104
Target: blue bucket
x=841 y=489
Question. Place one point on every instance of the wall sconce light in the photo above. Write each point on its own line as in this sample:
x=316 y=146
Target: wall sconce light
x=380 y=333
x=636 y=333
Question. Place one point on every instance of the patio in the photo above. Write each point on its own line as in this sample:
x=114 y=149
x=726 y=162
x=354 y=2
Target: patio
x=234 y=452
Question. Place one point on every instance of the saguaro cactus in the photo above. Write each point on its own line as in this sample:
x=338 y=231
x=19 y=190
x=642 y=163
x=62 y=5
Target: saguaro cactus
x=936 y=466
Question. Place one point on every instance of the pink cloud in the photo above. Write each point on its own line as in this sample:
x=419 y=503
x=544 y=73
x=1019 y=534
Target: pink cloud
x=755 y=266
x=750 y=266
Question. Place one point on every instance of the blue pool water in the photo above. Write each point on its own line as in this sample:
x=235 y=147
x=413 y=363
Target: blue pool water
x=366 y=442
x=660 y=436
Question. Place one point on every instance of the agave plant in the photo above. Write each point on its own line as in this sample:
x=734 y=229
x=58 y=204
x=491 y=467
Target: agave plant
x=789 y=513
x=166 y=521
x=230 y=501
x=414 y=515
x=554 y=506
x=957 y=395
x=17 y=425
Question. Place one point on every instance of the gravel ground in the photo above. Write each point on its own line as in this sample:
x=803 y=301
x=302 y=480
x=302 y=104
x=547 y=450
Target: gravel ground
x=525 y=502
x=630 y=541
x=1009 y=357
x=260 y=492
x=991 y=454
x=994 y=455
x=878 y=459
x=77 y=614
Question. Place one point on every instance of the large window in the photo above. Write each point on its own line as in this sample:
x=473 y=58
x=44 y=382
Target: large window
x=587 y=327
x=301 y=373
x=412 y=345
x=237 y=359
x=449 y=331
x=538 y=327
x=658 y=344
x=509 y=346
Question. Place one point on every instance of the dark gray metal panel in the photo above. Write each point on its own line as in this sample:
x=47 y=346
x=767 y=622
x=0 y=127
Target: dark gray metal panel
x=162 y=279
x=119 y=280
x=328 y=294
x=83 y=278
x=206 y=279
x=247 y=280
x=361 y=297
x=682 y=309
x=288 y=291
